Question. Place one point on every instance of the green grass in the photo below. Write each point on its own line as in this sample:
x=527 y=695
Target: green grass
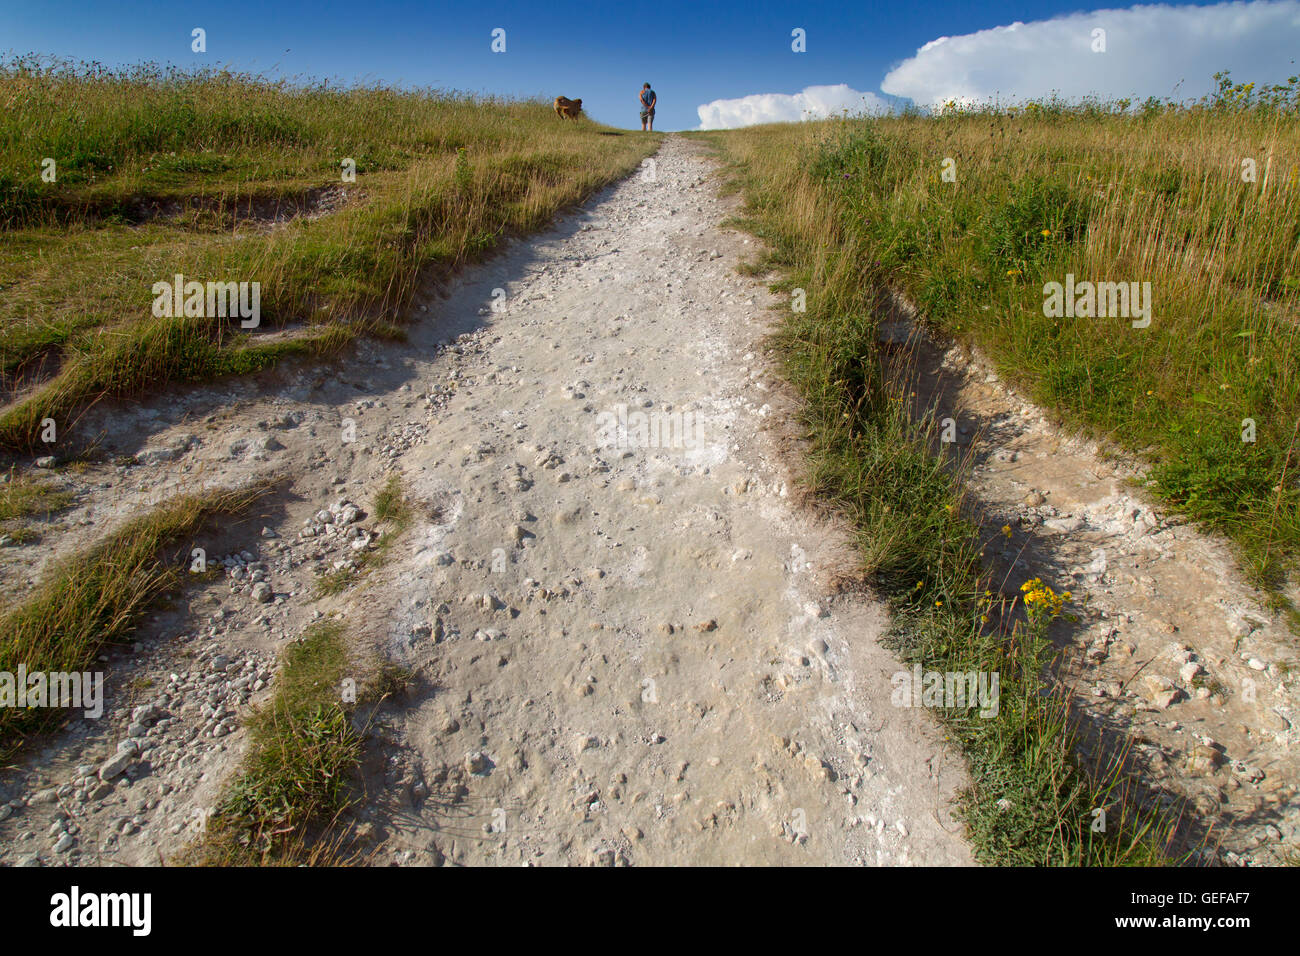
x=296 y=777
x=852 y=210
x=391 y=504
x=98 y=596
x=1048 y=190
x=441 y=180
x=283 y=806
x=922 y=550
x=299 y=775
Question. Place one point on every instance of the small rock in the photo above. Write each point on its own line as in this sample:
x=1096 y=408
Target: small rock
x=1212 y=754
x=1157 y=684
x=1166 y=698
x=1249 y=773
x=1200 y=766
x=115 y=764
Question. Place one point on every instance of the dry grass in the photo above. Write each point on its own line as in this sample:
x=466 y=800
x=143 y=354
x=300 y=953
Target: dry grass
x=26 y=503
x=852 y=209
x=166 y=172
x=1045 y=191
x=97 y=597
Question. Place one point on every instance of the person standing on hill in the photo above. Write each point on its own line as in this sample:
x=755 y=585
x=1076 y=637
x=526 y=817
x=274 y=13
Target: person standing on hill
x=648 y=100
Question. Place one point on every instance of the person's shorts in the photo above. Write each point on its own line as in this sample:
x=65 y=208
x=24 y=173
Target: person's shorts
x=647 y=115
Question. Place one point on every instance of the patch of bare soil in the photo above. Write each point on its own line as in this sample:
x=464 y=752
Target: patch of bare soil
x=255 y=212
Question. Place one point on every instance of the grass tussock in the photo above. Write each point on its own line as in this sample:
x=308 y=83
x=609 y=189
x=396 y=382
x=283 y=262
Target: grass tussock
x=391 y=504
x=296 y=776
x=217 y=176
x=854 y=208
x=24 y=499
x=97 y=597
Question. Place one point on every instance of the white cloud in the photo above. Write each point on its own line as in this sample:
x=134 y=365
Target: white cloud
x=1148 y=50
x=815 y=102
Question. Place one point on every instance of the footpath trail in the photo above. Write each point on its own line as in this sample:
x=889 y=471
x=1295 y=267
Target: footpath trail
x=625 y=642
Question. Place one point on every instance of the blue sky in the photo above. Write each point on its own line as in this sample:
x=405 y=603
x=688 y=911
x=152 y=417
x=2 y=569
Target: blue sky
x=694 y=53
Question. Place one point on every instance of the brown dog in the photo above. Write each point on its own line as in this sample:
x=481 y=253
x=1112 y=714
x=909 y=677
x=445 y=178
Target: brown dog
x=567 y=108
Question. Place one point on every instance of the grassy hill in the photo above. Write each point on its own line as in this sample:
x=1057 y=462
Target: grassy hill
x=1201 y=202
x=111 y=181
x=971 y=214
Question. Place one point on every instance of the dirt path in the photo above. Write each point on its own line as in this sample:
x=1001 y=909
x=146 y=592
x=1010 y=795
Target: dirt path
x=624 y=642
x=1173 y=649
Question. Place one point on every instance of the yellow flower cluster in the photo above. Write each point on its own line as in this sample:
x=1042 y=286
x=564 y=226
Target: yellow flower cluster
x=1041 y=601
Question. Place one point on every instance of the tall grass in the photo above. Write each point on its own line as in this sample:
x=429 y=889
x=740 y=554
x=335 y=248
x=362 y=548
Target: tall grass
x=441 y=179
x=855 y=209
x=1032 y=800
x=297 y=775
x=1046 y=190
x=97 y=597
